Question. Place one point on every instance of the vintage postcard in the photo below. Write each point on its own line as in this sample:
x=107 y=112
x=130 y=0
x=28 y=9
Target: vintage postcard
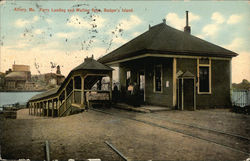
x=124 y=80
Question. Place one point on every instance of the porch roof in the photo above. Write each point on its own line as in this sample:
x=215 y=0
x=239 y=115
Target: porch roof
x=165 y=40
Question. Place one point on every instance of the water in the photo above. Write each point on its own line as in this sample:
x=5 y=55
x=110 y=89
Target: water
x=14 y=97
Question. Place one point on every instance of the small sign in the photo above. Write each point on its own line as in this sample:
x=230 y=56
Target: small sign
x=167 y=83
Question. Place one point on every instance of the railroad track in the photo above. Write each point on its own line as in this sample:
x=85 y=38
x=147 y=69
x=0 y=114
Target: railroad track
x=190 y=130
x=202 y=128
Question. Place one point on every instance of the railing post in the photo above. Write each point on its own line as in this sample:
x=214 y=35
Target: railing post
x=65 y=96
x=37 y=108
x=52 y=114
x=29 y=108
x=40 y=104
x=82 y=91
x=34 y=109
x=43 y=107
x=47 y=105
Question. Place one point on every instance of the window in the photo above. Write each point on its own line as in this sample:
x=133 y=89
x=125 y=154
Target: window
x=158 y=78
x=204 y=79
x=204 y=76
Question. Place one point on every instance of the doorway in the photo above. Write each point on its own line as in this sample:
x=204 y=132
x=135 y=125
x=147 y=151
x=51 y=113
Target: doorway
x=141 y=82
x=186 y=92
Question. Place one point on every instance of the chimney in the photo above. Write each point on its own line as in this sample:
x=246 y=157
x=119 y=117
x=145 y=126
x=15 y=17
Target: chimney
x=187 y=28
x=164 y=21
x=58 y=70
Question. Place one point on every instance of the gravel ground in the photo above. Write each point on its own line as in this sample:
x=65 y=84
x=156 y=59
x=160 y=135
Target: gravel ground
x=82 y=136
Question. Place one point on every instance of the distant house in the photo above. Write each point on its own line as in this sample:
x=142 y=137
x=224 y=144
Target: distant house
x=2 y=75
x=17 y=77
x=174 y=68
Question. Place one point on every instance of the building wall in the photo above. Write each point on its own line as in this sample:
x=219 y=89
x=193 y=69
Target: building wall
x=220 y=77
x=220 y=80
x=164 y=98
x=20 y=68
x=147 y=65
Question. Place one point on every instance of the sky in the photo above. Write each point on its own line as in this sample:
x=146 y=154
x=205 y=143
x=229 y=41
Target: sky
x=43 y=34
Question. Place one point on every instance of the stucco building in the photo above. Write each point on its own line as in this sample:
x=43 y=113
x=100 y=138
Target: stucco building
x=17 y=77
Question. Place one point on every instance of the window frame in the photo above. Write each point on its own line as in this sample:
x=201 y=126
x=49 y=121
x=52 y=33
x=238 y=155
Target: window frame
x=159 y=65
x=209 y=75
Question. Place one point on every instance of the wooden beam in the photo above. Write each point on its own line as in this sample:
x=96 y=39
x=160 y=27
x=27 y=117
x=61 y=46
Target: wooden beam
x=111 y=80
x=47 y=108
x=182 y=94
x=73 y=97
x=165 y=56
x=52 y=113
x=47 y=151
x=174 y=82
x=82 y=92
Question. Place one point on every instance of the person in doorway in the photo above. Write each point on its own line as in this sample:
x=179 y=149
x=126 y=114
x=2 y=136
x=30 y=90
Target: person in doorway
x=115 y=93
x=136 y=94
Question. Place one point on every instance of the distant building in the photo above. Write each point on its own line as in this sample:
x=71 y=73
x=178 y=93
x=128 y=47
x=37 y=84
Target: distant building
x=54 y=78
x=1 y=80
x=17 y=77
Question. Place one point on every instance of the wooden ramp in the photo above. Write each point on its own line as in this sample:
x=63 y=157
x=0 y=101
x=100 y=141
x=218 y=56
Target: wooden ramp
x=73 y=94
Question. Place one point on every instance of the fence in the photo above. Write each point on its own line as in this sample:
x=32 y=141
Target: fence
x=240 y=97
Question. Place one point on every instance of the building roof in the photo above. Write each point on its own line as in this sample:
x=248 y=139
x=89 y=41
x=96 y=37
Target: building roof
x=187 y=74
x=16 y=76
x=91 y=64
x=163 y=39
x=45 y=94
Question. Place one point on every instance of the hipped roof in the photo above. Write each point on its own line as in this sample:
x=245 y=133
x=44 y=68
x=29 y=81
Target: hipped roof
x=163 y=39
x=91 y=64
x=16 y=76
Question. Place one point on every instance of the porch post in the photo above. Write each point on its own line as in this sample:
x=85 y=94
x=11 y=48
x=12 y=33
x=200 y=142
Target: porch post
x=111 y=80
x=182 y=94
x=35 y=106
x=34 y=109
x=57 y=106
x=47 y=104
x=73 y=97
x=37 y=111
x=29 y=108
x=43 y=108
x=82 y=91
x=40 y=104
x=52 y=114
x=174 y=82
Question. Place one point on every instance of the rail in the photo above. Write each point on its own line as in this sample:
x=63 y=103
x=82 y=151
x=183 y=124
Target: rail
x=175 y=130
x=66 y=104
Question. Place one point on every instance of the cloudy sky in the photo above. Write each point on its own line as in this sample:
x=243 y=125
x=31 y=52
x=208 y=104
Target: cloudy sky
x=57 y=33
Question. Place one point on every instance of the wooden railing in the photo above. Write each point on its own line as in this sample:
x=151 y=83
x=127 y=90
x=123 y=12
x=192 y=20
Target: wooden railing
x=66 y=104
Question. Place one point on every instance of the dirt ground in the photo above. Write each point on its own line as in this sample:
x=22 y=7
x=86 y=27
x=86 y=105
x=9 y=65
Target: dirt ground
x=82 y=136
